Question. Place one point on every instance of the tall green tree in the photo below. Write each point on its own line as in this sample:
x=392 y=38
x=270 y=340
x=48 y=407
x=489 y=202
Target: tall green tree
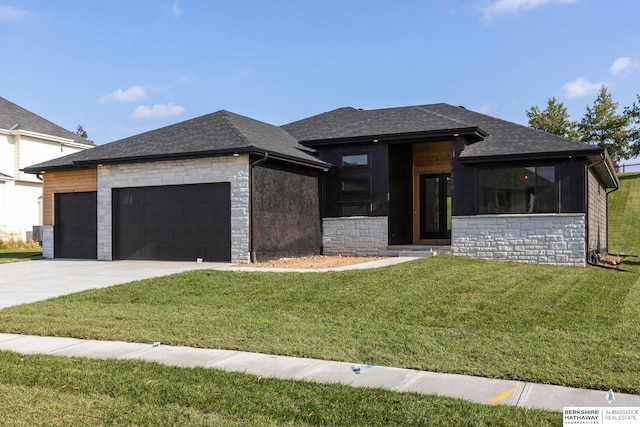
x=633 y=115
x=83 y=133
x=602 y=125
x=553 y=119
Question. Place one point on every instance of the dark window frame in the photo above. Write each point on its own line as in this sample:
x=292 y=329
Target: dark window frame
x=353 y=201
x=355 y=154
x=518 y=189
x=364 y=182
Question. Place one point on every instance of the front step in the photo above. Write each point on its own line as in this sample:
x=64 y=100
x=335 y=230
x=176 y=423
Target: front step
x=422 y=251
x=420 y=254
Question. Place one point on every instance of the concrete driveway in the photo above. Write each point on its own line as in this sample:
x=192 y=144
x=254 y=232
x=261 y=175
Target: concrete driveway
x=29 y=281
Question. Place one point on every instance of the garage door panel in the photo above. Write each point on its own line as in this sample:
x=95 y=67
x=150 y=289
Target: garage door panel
x=76 y=225
x=181 y=222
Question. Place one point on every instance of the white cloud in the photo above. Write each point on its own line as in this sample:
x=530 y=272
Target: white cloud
x=485 y=108
x=132 y=94
x=175 y=8
x=623 y=65
x=8 y=13
x=513 y=7
x=580 y=87
x=157 y=111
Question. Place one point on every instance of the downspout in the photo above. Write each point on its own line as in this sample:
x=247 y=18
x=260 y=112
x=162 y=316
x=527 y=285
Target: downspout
x=252 y=253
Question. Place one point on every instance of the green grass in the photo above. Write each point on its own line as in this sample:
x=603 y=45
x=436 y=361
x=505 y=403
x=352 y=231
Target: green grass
x=560 y=325
x=16 y=255
x=56 y=391
x=624 y=216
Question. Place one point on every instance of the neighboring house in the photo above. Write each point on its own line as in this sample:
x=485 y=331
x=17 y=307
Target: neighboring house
x=25 y=139
x=224 y=187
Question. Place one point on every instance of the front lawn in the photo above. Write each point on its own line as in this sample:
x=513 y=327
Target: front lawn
x=16 y=255
x=561 y=325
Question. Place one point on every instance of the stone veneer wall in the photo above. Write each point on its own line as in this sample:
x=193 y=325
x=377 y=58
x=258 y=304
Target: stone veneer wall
x=176 y=172
x=541 y=238
x=355 y=236
x=47 y=241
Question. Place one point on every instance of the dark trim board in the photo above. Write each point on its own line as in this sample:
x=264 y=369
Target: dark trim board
x=76 y=225
x=173 y=223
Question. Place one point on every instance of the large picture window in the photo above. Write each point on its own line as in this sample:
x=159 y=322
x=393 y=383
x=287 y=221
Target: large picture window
x=526 y=189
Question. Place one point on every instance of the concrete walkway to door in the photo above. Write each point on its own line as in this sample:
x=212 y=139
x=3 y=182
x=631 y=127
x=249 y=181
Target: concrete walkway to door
x=25 y=282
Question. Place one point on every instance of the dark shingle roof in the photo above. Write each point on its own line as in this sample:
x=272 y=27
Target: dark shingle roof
x=13 y=116
x=350 y=122
x=508 y=138
x=493 y=138
x=501 y=138
x=221 y=132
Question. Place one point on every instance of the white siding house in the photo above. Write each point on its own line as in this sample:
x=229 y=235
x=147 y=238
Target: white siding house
x=25 y=139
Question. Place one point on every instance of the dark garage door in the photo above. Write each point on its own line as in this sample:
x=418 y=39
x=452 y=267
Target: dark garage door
x=177 y=222
x=75 y=230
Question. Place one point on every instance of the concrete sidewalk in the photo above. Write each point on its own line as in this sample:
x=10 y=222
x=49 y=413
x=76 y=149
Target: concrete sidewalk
x=475 y=389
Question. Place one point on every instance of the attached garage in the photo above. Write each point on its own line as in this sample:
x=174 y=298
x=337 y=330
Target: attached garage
x=175 y=222
x=75 y=225
x=186 y=191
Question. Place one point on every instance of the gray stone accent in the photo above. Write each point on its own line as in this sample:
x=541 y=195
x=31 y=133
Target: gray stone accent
x=47 y=241
x=355 y=236
x=176 y=172
x=541 y=238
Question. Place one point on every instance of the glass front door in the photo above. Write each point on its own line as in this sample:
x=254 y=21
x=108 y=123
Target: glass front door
x=435 y=206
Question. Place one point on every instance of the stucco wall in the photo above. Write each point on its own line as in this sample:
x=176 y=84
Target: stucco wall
x=286 y=212
x=541 y=238
x=193 y=171
x=355 y=236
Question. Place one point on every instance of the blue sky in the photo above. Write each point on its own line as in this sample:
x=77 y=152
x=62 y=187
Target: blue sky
x=124 y=67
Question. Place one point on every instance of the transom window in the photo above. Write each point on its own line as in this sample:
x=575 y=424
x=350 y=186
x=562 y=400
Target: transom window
x=361 y=159
x=527 y=189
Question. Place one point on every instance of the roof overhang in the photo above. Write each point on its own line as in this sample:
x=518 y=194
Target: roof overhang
x=49 y=138
x=604 y=169
x=597 y=159
x=93 y=163
x=472 y=133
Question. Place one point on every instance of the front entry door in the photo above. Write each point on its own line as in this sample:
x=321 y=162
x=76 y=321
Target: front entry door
x=435 y=206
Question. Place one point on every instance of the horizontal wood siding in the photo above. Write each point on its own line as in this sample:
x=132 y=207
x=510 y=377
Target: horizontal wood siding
x=432 y=158
x=74 y=181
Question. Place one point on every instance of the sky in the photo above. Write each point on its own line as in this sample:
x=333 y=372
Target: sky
x=122 y=67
